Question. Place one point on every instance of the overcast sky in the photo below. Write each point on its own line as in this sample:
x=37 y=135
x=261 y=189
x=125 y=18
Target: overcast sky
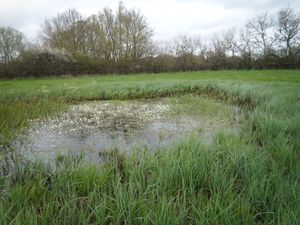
x=168 y=18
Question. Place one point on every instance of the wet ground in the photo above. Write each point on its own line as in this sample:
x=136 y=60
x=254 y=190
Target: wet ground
x=94 y=127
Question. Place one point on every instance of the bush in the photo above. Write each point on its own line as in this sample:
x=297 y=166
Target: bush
x=45 y=63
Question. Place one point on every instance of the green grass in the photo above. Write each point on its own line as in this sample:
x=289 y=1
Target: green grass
x=203 y=108
x=127 y=86
x=248 y=178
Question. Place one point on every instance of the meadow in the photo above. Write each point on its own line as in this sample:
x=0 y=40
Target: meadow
x=250 y=177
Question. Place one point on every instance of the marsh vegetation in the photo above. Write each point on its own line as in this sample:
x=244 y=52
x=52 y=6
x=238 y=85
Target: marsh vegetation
x=249 y=176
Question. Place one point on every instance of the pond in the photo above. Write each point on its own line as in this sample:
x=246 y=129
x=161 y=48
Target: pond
x=94 y=127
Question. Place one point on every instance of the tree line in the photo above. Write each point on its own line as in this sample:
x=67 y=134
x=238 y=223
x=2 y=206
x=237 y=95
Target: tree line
x=121 y=41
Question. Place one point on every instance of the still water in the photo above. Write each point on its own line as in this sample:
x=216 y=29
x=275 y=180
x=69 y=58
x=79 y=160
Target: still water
x=94 y=127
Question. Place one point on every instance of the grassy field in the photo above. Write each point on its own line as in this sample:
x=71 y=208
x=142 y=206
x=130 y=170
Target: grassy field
x=247 y=178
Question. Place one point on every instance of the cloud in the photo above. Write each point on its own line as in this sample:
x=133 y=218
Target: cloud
x=167 y=17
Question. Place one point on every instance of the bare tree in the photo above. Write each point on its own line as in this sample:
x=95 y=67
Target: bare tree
x=185 y=50
x=11 y=44
x=216 y=55
x=165 y=48
x=140 y=34
x=245 y=45
x=288 y=26
x=201 y=49
x=65 y=31
x=231 y=42
x=218 y=46
x=127 y=34
x=185 y=45
x=95 y=37
x=262 y=34
x=109 y=25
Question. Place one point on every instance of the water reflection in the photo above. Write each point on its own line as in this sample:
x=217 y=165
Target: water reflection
x=94 y=127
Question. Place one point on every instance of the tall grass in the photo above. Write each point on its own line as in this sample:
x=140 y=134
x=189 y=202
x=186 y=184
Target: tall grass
x=247 y=178
x=15 y=114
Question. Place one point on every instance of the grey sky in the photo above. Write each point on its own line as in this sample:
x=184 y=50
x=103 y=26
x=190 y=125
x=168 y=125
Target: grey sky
x=168 y=18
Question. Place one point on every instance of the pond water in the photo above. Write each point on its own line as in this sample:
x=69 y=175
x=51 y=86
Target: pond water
x=94 y=127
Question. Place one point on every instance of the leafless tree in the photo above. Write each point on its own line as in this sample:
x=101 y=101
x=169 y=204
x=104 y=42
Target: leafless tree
x=95 y=37
x=120 y=41
x=140 y=34
x=245 y=46
x=288 y=27
x=186 y=49
x=262 y=34
x=65 y=31
x=218 y=46
x=231 y=41
x=11 y=44
x=185 y=45
x=165 y=48
x=127 y=34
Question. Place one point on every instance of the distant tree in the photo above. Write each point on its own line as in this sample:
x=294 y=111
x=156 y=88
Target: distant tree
x=127 y=36
x=262 y=34
x=121 y=41
x=202 y=49
x=288 y=27
x=185 y=45
x=45 y=62
x=165 y=48
x=185 y=50
x=231 y=41
x=65 y=31
x=218 y=46
x=12 y=43
x=133 y=34
x=216 y=55
x=246 y=47
x=163 y=59
x=95 y=38
x=107 y=22
x=140 y=34
x=121 y=38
